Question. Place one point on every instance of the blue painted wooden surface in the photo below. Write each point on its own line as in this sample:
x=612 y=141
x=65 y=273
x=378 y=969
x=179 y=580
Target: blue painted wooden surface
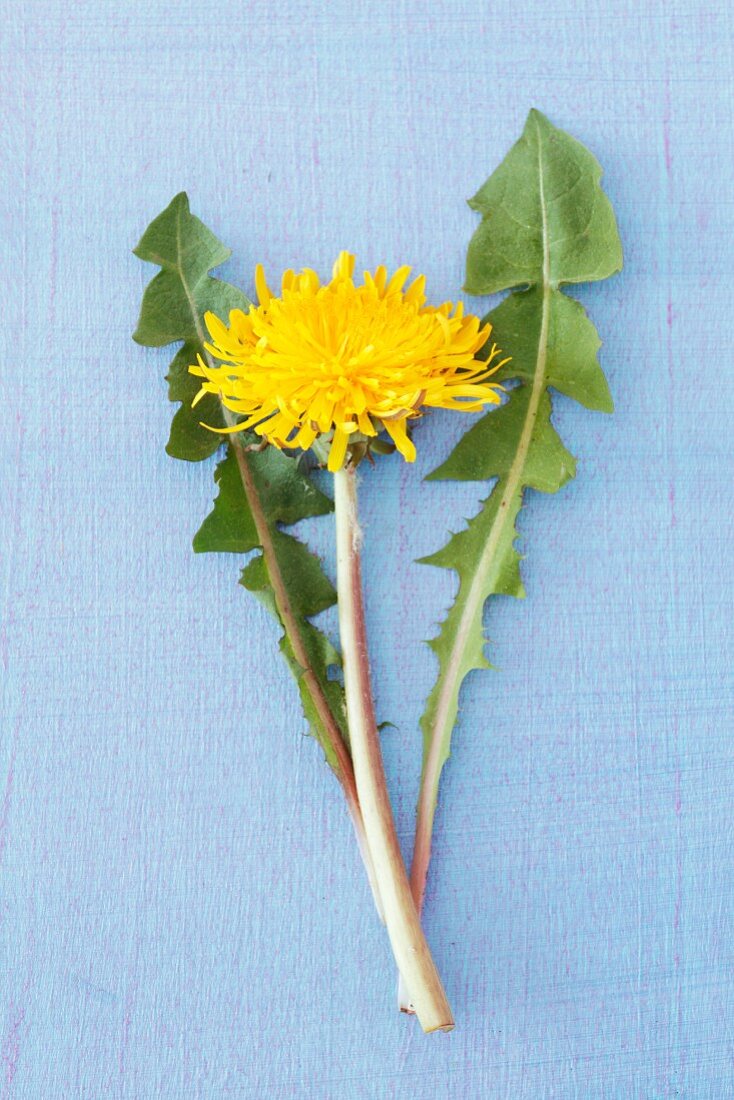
x=182 y=913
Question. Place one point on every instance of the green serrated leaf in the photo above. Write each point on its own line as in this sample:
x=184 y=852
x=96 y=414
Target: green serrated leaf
x=176 y=300
x=545 y=222
x=173 y=307
x=230 y=526
x=322 y=657
x=286 y=493
x=545 y=218
x=310 y=588
x=258 y=491
x=188 y=439
x=571 y=362
x=490 y=544
x=490 y=447
x=310 y=592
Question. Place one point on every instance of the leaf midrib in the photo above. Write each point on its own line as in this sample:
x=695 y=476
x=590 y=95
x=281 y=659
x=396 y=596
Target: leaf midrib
x=277 y=581
x=188 y=292
x=451 y=679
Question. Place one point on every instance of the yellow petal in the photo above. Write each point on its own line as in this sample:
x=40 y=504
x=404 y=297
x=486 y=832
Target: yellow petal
x=365 y=425
x=263 y=290
x=305 y=437
x=217 y=329
x=198 y=368
x=397 y=281
x=223 y=431
x=416 y=291
x=337 y=451
x=397 y=432
x=344 y=266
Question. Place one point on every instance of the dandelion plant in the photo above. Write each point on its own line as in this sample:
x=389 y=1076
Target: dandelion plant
x=328 y=374
x=325 y=368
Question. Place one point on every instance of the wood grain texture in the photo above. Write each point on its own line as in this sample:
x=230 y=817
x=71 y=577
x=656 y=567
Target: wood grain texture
x=182 y=911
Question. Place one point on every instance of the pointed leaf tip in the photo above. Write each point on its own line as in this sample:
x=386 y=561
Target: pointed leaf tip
x=179 y=204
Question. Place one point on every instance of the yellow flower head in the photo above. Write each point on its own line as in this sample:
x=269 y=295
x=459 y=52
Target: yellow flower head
x=345 y=360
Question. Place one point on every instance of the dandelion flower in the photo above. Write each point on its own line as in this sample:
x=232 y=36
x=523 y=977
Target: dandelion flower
x=343 y=362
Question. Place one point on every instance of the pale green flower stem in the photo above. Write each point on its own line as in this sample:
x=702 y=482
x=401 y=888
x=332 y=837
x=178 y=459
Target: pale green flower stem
x=344 y=769
x=411 y=951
